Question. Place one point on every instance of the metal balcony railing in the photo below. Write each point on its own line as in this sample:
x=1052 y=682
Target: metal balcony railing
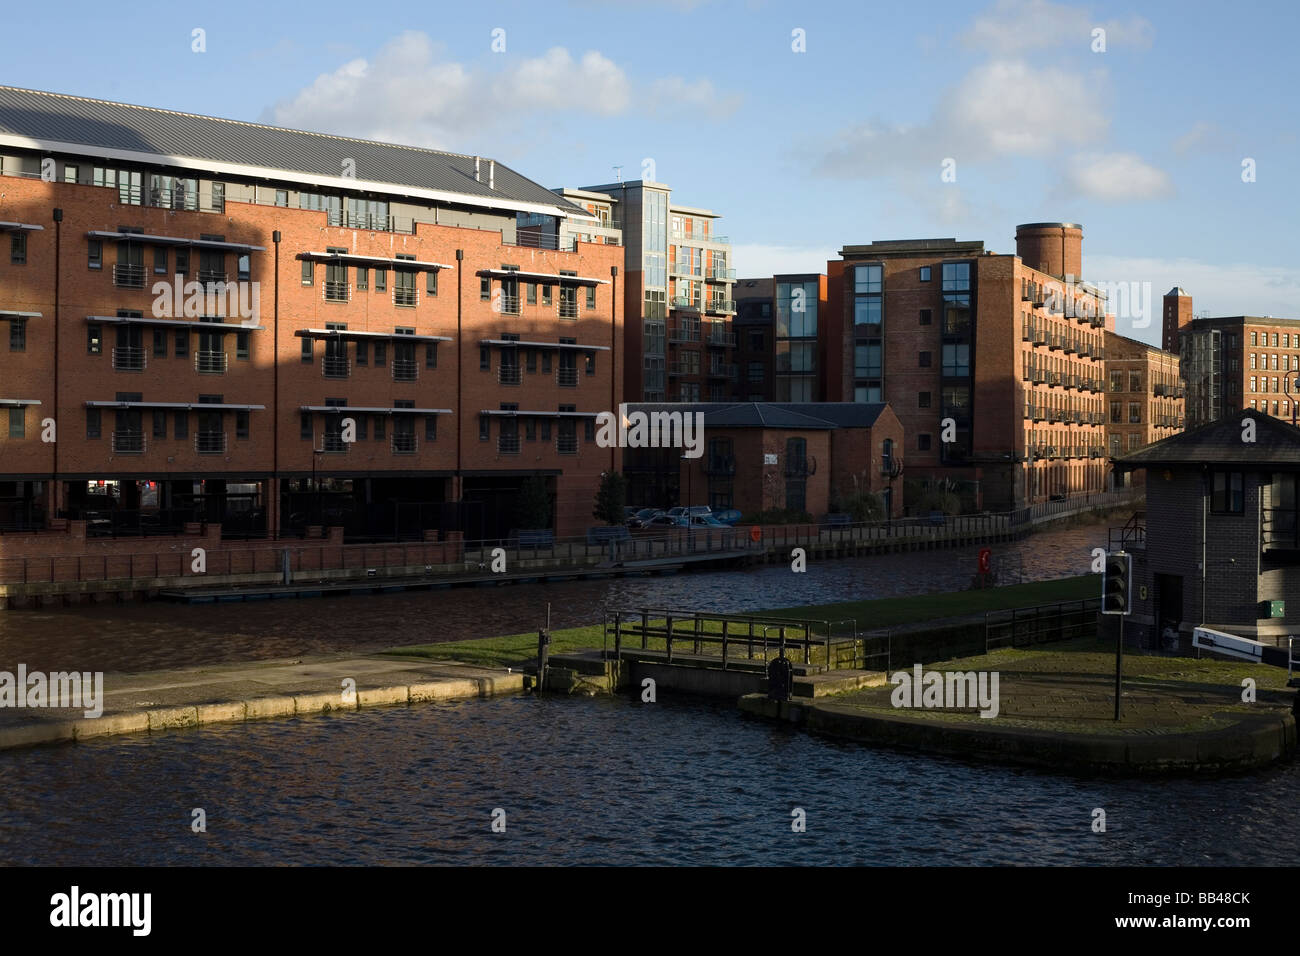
x=212 y=276
x=1039 y=334
x=174 y=199
x=509 y=374
x=722 y=370
x=127 y=358
x=684 y=302
x=509 y=304
x=336 y=291
x=683 y=335
x=335 y=366
x=726 y=340
x=568 y=310
x=566 y=377
x=566 y=444
x=724 y=306
x=403 y=444
x=209 y=362
x=128 y=276
x=332 y=443
x=405 y=370
x=722 y=275
x=409 y=298
x=210 y=443
x=507 y=444
x=128 y=443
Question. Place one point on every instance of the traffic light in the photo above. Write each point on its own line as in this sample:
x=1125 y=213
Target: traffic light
x=1116 y=582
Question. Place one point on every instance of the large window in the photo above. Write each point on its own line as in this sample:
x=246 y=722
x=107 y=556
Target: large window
x=956 y=359
x=956 y=276
x=1227 y=493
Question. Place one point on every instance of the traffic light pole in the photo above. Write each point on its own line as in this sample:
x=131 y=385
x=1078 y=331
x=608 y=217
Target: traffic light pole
x=1119 y=662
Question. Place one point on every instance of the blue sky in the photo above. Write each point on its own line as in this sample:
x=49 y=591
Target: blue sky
x=800 y=152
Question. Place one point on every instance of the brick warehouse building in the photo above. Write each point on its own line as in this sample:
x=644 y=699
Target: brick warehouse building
x=1008 y=347
x=393 y=290
x=1144 y=393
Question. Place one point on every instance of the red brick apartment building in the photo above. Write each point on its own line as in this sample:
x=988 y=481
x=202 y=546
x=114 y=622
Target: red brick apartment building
x=780 y=350
x=403 y=359
x=1144 y=392
x=1009 y=348
x=1234 y=362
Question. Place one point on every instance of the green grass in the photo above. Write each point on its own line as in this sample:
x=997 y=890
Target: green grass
x=515 y=649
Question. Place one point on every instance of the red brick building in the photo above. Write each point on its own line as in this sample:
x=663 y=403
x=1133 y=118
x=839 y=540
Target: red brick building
x=363 y=338
x=993 y=362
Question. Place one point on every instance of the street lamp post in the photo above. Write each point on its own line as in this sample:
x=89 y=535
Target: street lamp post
x=690 y=528
x=893 y=470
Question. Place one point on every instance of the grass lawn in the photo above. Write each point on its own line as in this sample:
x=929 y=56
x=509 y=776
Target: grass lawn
x=515 y=649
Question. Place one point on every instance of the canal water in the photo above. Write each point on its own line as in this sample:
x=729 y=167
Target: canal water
x=599 y=781
x=153 y=635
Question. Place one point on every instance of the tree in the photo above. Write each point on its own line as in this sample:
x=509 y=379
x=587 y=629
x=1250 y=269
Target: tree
x=533 y=506
x=611 y=498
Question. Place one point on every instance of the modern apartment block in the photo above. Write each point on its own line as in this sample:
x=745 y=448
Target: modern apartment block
x=1144 y=392
x=791 y=358
x=993 y=362
x=210 y=320
x=1242 y=361
x=678 y=296
x=755 y=345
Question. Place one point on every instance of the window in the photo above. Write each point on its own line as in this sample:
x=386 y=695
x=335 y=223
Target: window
x=363 y=279
x=95 y=254
x=546 y=295
x=431 y=282
x=926 y=317
x=431 y=355
x=922 y=442
x=1253 y=338
x=304 y=426
x=1275 y=363
x=1252 y=386
x=1227 y=493
x=92 y=423
x=430 y=427
x=956 y=359
x=17 y=335
x=1135 y=413
x=242 y=345
x=159 y=423
x=160 y=260
x=94 y=339
x=18 y=248
x=591 y=297
x=181 y=425
x=1115 y=413
x=546 y=362
x=306 y=351
x=868 y=278
x=1252 y=360
x=484 y=289
x=182 y=261
x=363 y=352
x=922 y=399
x=381 y=353
x=241 y=423
x=925 y=273
x=282 y=197
x=589 y=429
x=381 y=280
x=243 y=268
x=308 y=272
x=1134 y=441
x=182 y=343
x=530 y=360
x=484 y=428
x=956 y=276
x=530 y=292
x=755 y=373
x=484 y=358
x=923 y=359
x=1275 y=342
x=1135 y=381
x=17 y=421
x=160 y=343
x=591 y=363
x=70 y=172
x=546 y=429
x=1116 y=381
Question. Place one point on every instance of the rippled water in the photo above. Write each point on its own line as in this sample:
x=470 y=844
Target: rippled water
x=158 y=634
x=605 y=781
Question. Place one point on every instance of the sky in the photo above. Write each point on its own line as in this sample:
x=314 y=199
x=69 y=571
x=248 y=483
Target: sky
x=1170 y=131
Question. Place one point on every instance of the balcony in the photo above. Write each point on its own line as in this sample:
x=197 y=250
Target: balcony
x=509 y=375
x=335 y=366
x=566 y=444
x=1037 y=376
x=1055 y=341
x=1071 y=345
x=405 y=444
x=212 y=276
x=410 y=298
x=336 y=291
x=1054 y=379
x=332 y=443
x=1040 y=335
x=722 y=370
x=509 y=304
x=210 y=362
x=722 y=306
x=677 y=335
x=128 y=358
x=405 y=370
x=210 y=443
x=725 y=340
x=568 y=310
x=1035 y=413
x=722 y=275
x=128 y=276
x=174 y=199
x=721 y=465
x=685 y=302
x=566 y=377
x=128 y=443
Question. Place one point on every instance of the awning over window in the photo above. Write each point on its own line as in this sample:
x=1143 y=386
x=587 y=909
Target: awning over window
x=374 y=410
x=201 y=406
x=6 y=314
x=572 y=346
x=173 y=241
x=500 y=413
x=20 y=227
x=376 y=262
x=11 y=402
x=345 y=334
x=546 y=278
x=172 y=323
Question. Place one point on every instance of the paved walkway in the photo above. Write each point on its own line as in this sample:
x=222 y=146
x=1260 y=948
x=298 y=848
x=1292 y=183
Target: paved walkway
x=190 y=697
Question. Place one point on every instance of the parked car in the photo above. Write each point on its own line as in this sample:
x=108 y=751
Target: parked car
x=639 y=518
x=661 y=521
x=729 y=517
x=707 y=521
x=681 y=510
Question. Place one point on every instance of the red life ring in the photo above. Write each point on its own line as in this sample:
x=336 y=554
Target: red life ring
x=986 y=560
x=755 y=533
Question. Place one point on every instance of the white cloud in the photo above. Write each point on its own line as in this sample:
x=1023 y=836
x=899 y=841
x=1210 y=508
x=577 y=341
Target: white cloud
x=1201 y=134
x=407 y=93
x=669 y=94
x=1115 y=177
x=1003 y=108
x=1013 y=26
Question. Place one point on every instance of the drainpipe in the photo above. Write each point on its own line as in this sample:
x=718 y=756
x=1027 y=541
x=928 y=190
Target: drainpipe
x=460 y=368
x=52 y=497
x=275 y=394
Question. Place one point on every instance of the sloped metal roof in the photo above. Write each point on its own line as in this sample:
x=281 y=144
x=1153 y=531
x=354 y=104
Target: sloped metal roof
x=788 y=415
x=58 y=122
x=1276 y=445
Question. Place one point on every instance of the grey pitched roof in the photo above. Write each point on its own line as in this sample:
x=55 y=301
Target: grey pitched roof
x=790 y=415
x=102 y=127
x=1276 y=445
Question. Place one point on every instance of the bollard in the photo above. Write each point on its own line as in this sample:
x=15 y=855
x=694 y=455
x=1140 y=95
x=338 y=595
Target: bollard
x=543 y=652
